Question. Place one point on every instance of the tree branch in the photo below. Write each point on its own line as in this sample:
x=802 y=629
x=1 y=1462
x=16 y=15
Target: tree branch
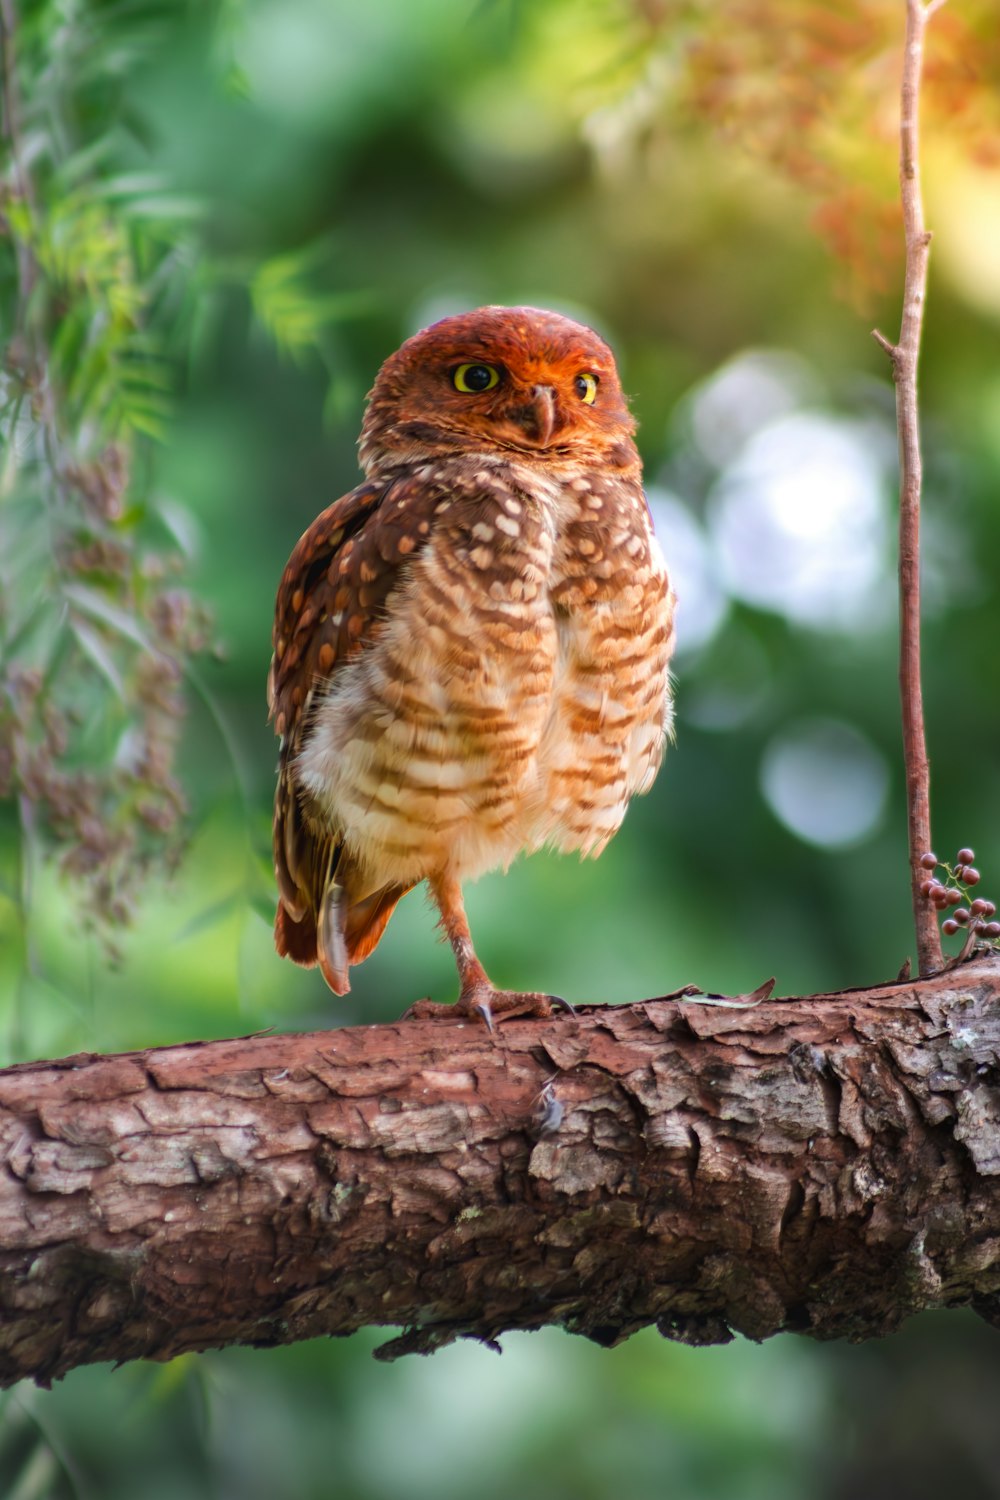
x=827 y=1165
x=905 y=356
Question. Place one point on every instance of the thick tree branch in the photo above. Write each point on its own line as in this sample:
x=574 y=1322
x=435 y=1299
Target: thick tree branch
x=905 y=356
x=828 y=1165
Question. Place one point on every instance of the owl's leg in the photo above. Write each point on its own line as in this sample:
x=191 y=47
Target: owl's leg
x=477 y=996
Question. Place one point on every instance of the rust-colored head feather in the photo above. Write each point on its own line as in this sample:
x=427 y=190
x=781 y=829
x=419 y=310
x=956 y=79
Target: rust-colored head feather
x=555 y=396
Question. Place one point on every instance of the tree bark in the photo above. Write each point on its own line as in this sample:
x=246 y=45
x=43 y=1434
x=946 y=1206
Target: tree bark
x=827 y=1165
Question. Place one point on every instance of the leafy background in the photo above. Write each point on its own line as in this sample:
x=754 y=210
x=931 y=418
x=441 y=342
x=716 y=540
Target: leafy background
x=218 y=220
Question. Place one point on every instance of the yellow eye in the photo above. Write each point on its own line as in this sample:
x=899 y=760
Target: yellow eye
x=586 y=387
x=471 y=379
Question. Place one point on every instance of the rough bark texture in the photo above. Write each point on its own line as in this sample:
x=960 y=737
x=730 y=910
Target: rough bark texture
x=828 y=1165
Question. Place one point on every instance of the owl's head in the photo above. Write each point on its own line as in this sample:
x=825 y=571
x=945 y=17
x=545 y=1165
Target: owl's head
x=515 y=380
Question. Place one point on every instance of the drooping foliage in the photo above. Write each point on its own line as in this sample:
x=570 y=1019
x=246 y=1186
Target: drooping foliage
x=108 y=288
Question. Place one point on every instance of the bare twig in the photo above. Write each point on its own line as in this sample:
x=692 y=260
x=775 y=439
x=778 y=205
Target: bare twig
x=904 y=356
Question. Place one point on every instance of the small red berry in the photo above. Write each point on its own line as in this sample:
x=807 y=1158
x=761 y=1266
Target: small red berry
x=992 y=929
x=971 y=875
x=966 y=856
x=979 y=906
x=954 y=897
x=929 y=861
x=952 y=926
x=961 y=916
x=927 y=886
x=989 y=907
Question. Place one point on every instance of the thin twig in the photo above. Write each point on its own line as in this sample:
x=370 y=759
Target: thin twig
x=905 y=355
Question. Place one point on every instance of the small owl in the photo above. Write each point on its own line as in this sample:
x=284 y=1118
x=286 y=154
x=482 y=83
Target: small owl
x=471 y=648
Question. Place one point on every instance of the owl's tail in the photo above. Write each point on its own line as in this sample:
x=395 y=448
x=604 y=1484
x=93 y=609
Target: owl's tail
x=309 y=940
x=345 y=934
x=317 y=921
x=295 y=939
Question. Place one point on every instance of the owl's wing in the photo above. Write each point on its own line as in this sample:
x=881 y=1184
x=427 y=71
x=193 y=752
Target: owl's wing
x=331 y=605
x=314 y=605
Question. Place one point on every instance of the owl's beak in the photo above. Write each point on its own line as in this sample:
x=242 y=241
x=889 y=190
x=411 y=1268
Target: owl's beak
x=537 y=416
x=544 y=409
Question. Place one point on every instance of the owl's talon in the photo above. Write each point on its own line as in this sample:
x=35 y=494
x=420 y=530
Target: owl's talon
x=501 y=1005
x=414 y=1012
x=493 y=1007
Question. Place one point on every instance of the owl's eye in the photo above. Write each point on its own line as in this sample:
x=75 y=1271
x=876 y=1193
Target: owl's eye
x=585 y=386
x=471 y=379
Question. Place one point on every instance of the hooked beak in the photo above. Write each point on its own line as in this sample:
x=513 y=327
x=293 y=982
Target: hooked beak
x=538 y=415
x=544 y=407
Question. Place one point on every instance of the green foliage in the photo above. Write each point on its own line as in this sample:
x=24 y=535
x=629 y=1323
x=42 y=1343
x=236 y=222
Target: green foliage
x=287 y=307
x=96 y=629
x=105 y=287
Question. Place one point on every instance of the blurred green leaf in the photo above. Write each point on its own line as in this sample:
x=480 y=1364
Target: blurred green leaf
x=218 y=912
x=100 y=608
x=94 y=647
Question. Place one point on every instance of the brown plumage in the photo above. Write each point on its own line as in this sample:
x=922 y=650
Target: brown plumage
x=471 y=648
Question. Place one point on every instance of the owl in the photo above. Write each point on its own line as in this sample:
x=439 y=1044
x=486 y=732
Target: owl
x=471 y=648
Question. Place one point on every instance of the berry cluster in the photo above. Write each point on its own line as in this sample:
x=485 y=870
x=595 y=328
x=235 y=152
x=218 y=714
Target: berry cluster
x=952 y=895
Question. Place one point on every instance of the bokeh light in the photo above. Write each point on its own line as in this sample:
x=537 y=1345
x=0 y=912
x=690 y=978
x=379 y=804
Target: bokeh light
x=800 y=521
x=702 y=602
x=826 y=782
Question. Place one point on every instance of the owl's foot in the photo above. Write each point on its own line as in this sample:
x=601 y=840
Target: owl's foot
x=484 y=1003
x=477 y=997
